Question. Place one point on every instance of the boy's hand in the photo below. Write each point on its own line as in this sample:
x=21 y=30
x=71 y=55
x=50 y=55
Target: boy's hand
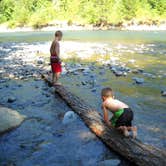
x=109 y=124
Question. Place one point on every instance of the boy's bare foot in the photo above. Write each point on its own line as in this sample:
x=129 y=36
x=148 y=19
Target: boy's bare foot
x=134 y=130
x=125 y=132
x=57 y=83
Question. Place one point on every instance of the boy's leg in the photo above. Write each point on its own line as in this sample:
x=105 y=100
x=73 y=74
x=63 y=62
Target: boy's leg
x=124 y=130
x=57 y=77
x=53 y=78
x=134 y=130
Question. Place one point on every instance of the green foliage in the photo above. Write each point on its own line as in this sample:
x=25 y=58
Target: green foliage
x=38 y=13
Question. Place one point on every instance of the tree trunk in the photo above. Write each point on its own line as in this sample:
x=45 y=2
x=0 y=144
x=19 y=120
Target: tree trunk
x=132 y=149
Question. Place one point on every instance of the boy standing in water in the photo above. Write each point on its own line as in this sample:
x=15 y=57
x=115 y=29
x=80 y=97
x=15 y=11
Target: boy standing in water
x=122 y=114
x=55 y=59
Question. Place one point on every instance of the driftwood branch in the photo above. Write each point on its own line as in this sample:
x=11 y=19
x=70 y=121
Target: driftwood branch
x=132 y=149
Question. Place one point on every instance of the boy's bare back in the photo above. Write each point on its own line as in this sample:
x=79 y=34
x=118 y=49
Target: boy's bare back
x=114 y=104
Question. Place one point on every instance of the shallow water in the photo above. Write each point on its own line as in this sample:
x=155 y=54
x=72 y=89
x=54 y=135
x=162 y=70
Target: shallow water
x=43 y=139
x=86 y=36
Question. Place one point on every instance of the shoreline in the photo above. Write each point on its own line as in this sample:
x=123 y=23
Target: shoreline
x=4 y=28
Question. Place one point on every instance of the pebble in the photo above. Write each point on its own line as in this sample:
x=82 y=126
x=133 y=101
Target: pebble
x=138 y=80
x=118 y=73
x=163 y=93
x=149 y=75
x=135 y=71
x=141 y=70
x=11 y=99
x=93 y=90
x=83 y=82
x=101 y=72
x=40 y=61
x=2 y=81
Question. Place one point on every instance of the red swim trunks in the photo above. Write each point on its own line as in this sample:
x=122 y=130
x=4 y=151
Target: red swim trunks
x=56 y=67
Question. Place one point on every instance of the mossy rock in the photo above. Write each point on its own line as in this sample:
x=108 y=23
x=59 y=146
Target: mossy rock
x=9 y=119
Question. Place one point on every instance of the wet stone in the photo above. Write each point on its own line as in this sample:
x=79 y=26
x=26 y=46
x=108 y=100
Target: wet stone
x=83 y=82
x=118 y=73
x=163 y=93
x=94 y=90
x=9 y=119
x=2 y=81
x=138 y=80
x=69 y=117
x=11 y=99
x=40 y=61
x=135 y=71
x=141 y=70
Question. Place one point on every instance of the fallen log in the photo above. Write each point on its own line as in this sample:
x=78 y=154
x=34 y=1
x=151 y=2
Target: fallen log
x=132 y=149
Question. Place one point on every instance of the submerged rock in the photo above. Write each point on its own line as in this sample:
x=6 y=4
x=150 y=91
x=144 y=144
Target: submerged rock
x=111 y=162
x=138 y=80
x=9 y=119
x=69 y=117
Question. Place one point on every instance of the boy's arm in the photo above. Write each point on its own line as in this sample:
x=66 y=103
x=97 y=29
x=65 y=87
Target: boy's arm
x=105 y=112
x=57 y=49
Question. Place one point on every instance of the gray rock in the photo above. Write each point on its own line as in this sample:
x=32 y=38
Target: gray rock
x=93 y=90
x=78 y=69
x=118 y=73
x=111 y=162
x=40 y=61
x=85 y=73
x=69 y=117
x=125 y=73
x=9 y=119
x=2 y=81
x=11 y=99
x=149 y=75
x=101 y=72
x=141 y=70
x=83 y=82
x=135 y=71
x=163 y=93
x=138 y=80
x=75 y=73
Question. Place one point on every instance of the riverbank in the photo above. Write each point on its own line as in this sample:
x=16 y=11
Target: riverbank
x=76 y=27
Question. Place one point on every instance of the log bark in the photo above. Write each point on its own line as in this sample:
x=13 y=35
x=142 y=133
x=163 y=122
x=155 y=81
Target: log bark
x=132 y=149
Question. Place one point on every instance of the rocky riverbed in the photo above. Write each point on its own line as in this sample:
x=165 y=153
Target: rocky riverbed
x=44 y=138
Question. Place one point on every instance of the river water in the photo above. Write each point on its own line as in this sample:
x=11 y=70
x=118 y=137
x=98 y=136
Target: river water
x=43 y=139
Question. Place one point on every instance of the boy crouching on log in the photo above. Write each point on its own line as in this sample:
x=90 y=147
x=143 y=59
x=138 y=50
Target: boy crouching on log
x=122 y=114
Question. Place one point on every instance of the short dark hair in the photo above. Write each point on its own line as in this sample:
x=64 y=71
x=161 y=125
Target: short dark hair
x=58 y=33
x=107 y=92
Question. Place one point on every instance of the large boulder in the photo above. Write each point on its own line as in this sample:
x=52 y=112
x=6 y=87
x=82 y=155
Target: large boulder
x=9 y=119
